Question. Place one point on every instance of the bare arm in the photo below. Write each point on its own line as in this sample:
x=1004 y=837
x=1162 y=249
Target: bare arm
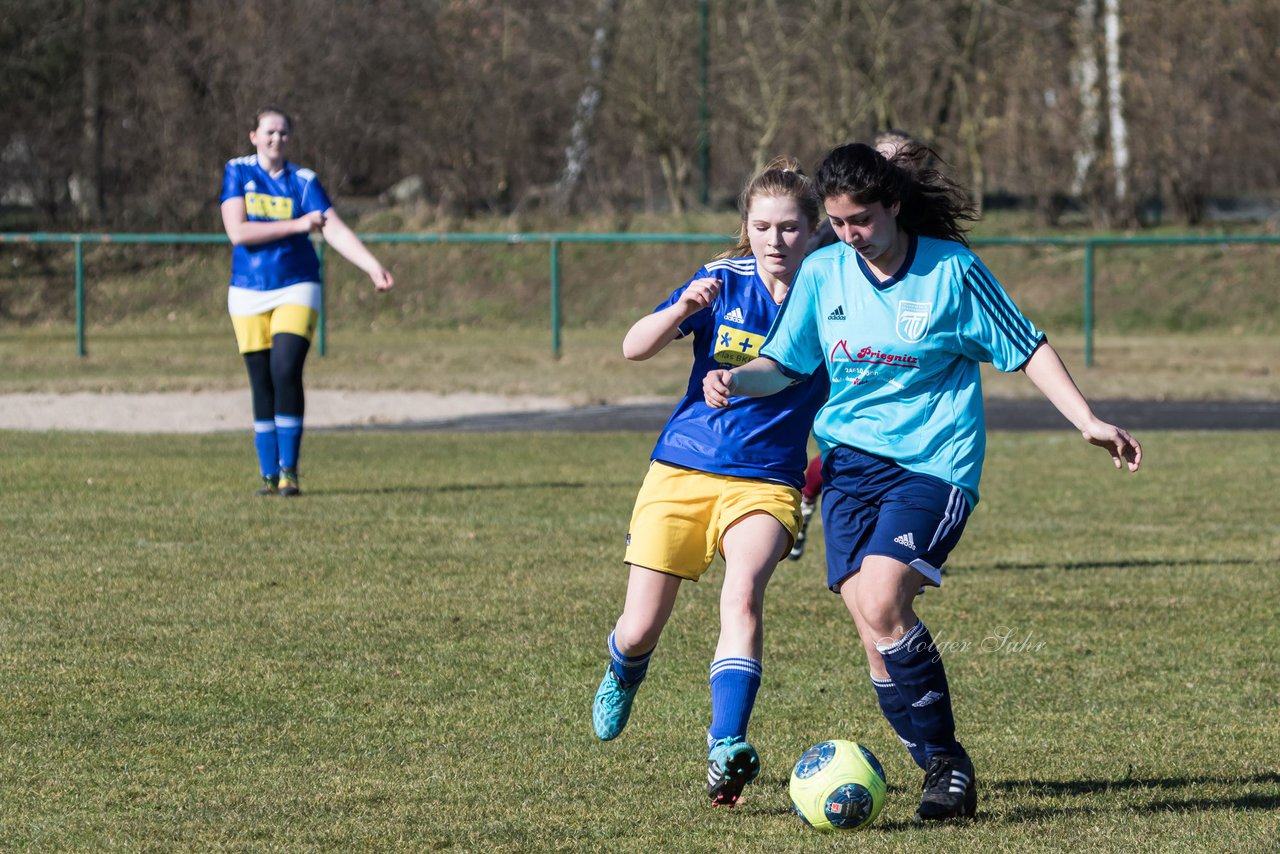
x=242 y=232
x=1047 y=373
x=651 y=333
x=758 y=378
x=340 y=236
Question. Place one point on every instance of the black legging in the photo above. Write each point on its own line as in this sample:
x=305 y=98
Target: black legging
x=275 y=376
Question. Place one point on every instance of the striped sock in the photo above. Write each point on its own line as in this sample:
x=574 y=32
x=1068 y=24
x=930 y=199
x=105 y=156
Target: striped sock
x=630 y=669
x=915 y=666
x=734 y=683
x=264 y=440
x=289 y=429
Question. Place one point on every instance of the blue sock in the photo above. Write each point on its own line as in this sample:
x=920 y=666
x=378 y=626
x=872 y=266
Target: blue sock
x=630 y=669
x=264 y=439
x=915 y=666
x=289 y=429
x=734 y=683
x=895 y=712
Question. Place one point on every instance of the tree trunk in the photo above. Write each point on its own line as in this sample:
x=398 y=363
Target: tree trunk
x=1115 y=109
x=576 y=154
x=1086 y=75
x=86 y=189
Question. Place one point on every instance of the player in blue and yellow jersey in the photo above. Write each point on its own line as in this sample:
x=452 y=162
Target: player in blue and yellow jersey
x=722 y=481
x=899 y=314
x=270 y=207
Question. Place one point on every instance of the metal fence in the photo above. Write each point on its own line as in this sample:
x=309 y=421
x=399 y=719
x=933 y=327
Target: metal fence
x=554 y=242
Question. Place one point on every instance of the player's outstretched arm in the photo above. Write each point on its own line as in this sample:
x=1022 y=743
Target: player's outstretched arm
x=1047 y=373
x=648 y=335
x=758 y=378
x=340 y=236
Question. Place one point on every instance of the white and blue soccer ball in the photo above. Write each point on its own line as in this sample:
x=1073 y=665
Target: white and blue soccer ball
x=838 y=785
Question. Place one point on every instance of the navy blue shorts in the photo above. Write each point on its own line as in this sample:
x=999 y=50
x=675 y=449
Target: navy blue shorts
x=873 y=506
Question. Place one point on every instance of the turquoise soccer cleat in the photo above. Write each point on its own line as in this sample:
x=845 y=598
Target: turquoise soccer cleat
x=612 y=706
x=731 y=765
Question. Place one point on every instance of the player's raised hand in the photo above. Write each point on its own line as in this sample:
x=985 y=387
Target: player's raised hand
x=1124 y=449
x=700 y=294
x=717 y=387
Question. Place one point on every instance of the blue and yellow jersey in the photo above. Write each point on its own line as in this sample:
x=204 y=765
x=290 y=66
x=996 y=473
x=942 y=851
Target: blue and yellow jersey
x=903 y=355
x=289 y=195
x=759 y=438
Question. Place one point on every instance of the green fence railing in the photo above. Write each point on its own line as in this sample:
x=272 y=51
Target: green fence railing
x=554 y=242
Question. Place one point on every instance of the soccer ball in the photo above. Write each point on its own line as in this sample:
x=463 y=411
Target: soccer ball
x=838 y=785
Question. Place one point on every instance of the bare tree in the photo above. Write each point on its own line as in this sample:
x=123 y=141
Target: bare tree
x=88 y=186
x=1115 y=105
x=588 y=105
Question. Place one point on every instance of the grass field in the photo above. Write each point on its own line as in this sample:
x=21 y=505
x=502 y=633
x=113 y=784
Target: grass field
x=404 y=658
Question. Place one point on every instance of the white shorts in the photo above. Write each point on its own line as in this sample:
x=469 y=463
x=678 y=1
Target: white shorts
x=243 y=302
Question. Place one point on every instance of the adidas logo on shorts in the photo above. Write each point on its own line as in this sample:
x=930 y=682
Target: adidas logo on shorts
x=906 y=540
x=838 y=314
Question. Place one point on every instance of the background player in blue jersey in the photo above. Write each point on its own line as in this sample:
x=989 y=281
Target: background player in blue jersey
x=900 y=313
x=720 y=480
x=269 y=209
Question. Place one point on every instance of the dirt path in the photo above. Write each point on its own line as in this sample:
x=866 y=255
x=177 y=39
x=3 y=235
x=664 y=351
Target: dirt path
x=211 y=412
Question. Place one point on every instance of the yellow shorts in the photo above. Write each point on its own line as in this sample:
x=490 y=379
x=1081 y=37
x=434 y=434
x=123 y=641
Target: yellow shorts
x=254 y=331
x=681 y=516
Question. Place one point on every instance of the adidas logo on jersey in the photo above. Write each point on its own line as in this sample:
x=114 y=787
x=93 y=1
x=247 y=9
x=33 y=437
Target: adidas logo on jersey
x=735 y=316
x=906 y=540
x=838 y=314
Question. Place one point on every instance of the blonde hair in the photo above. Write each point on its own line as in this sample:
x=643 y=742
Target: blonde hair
x=781 y=178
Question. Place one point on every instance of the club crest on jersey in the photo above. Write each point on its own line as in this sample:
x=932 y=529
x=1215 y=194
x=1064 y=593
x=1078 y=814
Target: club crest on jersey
x=736 y=346
x=913 y=320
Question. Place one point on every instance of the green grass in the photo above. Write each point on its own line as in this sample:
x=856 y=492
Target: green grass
x=404 y=658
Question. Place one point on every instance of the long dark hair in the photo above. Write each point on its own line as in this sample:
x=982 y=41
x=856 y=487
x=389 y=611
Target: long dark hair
x=782 y=178
x=931 y=204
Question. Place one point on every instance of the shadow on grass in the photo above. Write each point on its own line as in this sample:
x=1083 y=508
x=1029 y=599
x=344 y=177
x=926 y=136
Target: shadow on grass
x=1137 y=563
x=1086 y=787
x=409 y=489
x=1252 y=801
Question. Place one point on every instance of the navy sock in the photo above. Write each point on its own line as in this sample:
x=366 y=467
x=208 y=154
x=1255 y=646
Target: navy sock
x=264 y=439
x=915 y=666
x=630 y=669
x=896 y=713
x=734 y=684
x=289 y=431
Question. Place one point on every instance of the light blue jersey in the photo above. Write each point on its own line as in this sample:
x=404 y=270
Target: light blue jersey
x=289 y=195
x=759 y=438
x=903 y=355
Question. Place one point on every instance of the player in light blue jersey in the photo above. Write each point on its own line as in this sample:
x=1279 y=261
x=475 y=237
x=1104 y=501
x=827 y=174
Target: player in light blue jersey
x=900 y=147
x=900 y=313
x=269 y=209
x=720 y=480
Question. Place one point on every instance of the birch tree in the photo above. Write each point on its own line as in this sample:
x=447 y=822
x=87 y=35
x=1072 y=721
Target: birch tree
x=575 y=156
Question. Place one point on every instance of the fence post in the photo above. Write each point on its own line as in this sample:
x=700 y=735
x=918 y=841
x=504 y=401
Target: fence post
x=555 y=299
x=1089 y=247
x=79 y=253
